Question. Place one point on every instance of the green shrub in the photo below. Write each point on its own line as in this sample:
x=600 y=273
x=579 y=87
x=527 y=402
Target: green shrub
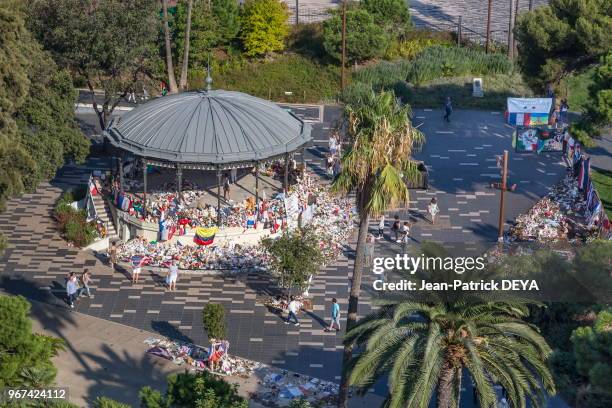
x=300 y=403
x=307 y=39
x=103 y=402
x=264 y=26
x=437 y=61
x=355 y=92
x=213 y=319
x=383 y=75
x=78 y=231
x=201 y=389
x=364 y=38
x=73 y=223
x=307 y=80
x=393 y=15
x=411 y=48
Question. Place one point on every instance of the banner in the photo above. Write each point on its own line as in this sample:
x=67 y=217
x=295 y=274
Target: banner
x=292 y=209
x=205 y=236
x=535 y=140
x=528 y=111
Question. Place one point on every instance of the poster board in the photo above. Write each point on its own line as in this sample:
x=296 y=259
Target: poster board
x=528 y=111
x=536 y=140
x=292 y=209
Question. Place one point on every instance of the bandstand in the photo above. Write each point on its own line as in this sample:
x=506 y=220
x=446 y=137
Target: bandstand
x=209 y=131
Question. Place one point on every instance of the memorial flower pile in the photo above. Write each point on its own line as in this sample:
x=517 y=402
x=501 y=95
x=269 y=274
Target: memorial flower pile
x=330 y=217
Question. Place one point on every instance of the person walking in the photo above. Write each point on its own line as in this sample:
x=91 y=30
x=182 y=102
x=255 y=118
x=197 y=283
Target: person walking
x=433 y=209
x=563 y=111
x=85 y=281
x=405 y=235
x=381 y=227
x=396 y=228
x=293 y=307
x=136 y=273
x=72 y=288
x=172 y=275
x=335 y=316
x=448 y=109
x=226 y=186
x=112 y=255
x=369 y=249
x=131 y=95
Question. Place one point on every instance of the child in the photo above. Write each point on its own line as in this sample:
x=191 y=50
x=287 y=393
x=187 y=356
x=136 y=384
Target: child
x=433 y=209
x=381 y=227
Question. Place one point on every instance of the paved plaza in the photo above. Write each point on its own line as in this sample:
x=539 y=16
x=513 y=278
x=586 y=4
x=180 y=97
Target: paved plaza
x=440 y=14
x=460 y=156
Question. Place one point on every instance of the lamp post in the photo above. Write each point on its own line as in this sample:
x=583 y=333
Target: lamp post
x=488 y=42
x=511 y=30
x=343 y=71
x=502 y=202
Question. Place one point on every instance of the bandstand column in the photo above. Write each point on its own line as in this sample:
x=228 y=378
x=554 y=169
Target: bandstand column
x=304 y=157
x=179 y=180
x=256 y=186
x=286 y=181
x=144 y=188
x=120 y=173
x=218 y=196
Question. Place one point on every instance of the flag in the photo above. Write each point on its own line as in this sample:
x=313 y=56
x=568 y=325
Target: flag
x=139 y=260
x=205 y=236
x=92 y=187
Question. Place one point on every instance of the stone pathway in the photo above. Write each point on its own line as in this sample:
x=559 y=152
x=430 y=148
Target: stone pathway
x=37 y=259
x=103 y=358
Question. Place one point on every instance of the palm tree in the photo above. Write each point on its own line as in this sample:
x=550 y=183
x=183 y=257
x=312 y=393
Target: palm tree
x=184 y=68
x=375 y=167
x=424 y=347
x=169 y=64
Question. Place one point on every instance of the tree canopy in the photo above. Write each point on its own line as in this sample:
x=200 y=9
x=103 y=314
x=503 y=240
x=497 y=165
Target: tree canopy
x=213 y=24
x=564 y=36
x=186 y=390
x=111 y=44
x=264 y=26
x=598 y=113
x=294 y=257
x=593 y=350
x=394 y=15
x=364 y=38
x=25 y=357
x=38 y=132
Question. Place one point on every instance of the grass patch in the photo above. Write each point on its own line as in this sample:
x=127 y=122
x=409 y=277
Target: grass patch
x=576 y=87
x=603 y=183
x=438 y=72
x=307 y=80
x=497 y=88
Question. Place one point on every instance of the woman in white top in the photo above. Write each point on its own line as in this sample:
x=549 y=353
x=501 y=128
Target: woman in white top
x=172 y=275
x=433 y=209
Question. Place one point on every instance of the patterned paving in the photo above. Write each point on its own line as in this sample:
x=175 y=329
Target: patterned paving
x=443 y=14
x=460 y=158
